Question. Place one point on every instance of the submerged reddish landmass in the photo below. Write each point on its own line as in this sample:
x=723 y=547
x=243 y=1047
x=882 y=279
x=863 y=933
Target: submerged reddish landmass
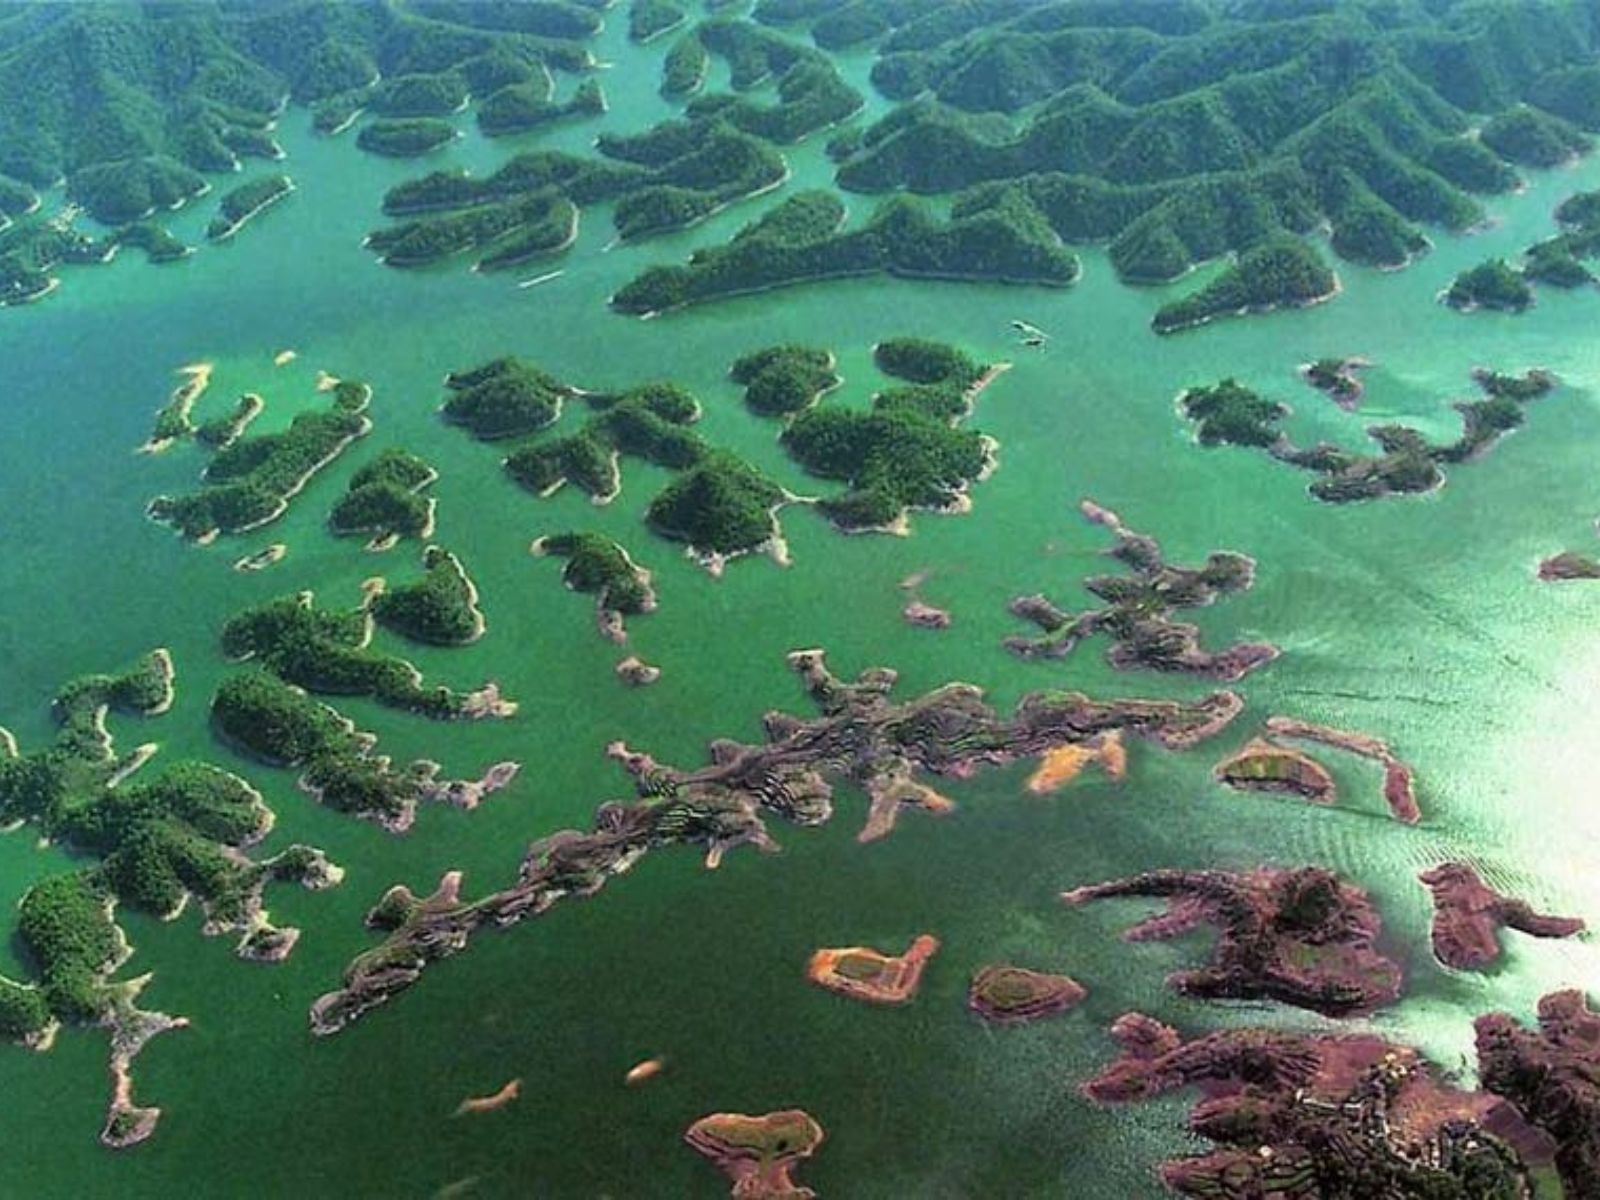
x=1008 y=994
x=1301 y=1117
x=759 y=1154
x=1303 y=937
x=1552 y=1076
x=1399 y=790
x=861 y=736
x=1263 y=766
x=870 y=975
x=1468 y=914
x=1137 y=610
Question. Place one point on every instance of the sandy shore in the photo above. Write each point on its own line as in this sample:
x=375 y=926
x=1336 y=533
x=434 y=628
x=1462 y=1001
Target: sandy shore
x=197 y=378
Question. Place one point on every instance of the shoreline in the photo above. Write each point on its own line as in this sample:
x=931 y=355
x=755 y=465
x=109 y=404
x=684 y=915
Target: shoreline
x=246 y=218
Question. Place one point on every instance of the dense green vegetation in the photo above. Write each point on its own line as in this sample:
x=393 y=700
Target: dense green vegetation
x=326 y=652
x=907 y=450
x=599 y=565
x=157 y=242
x=1534 y=139
x=224 y=430
x=153 y=842
x=405 y=137
x=133 y=189
x=649 y=422
x=801 y=240
x=665 y=178
x=502 y=399
x=29 y=252
x=1493 y=284
x=683 y=71
x=541 y=222
x=1181 y=132
x=441 y=608
x=384 y=498
x=251 y=480
x=720 y=506
x=128 y=103
x=781 y=380
x=1229 y=413
x=1560 y=260
x=245 y=201
x=524 y=106
x=260 y=714
x=1282 y=271
x=649 y=19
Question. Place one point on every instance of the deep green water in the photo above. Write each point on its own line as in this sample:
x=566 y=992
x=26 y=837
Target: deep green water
x=1416 y=619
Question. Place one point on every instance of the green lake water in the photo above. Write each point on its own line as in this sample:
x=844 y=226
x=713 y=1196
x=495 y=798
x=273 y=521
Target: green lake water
x=1418 y=620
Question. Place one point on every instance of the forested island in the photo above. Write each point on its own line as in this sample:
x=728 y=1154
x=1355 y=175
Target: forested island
x=439 y=609
x=1280 y=272
x=595 y=563
x=1494 y=284
x=862 y=736
x=1231 y=414
x=329 y=652
x=1559 y=261
x=152 y=842
x=384 y=500
x=908 y=451
x=783 y=380
x=1138 y=608
x=802 y=240
x=718 y=504
x=244 y=202
x=523 y=106
x=257 y=713
x=250 y=481
x=405 y=137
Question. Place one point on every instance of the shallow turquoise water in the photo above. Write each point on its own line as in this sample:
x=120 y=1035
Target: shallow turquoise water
x=1418 y=620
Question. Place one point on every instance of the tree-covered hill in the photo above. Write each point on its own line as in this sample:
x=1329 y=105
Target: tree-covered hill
x=1182 y=131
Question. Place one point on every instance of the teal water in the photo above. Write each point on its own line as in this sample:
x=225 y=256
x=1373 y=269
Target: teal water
x=1416 y=619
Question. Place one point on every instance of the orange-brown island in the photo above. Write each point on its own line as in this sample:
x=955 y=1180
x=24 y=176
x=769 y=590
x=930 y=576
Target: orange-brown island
x=759 y=1154
x=865 y=974
x=1011 y=995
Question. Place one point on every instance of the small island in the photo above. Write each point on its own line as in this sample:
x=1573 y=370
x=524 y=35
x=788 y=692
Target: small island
x=504 y=398
x=384 y=500
x=1559 y=261
x=908 y=451
x=1494 y=284
x=1231 y=414
x=1337 y=378
x=1011 y=995
x=1568 y=565
x=599 y=565
x=405 y=137
x=1281 y=272
x=1263 y=766
x=803 y=240
x=1399 y=787
x=244 y=202
x=258 y=714
x=759 y=1154
x=328 y=652
x=440 y=609
x=251 y=480
x=1468 y=915
x=721 y=508
x=649 y=19
x=861 y=736
x=783 y=380
x=1301 y=937
x=520 y=107
x=1137 y=614
x=871 y=976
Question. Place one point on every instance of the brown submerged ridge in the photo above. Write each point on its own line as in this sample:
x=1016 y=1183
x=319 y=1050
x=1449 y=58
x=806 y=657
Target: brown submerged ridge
x=1468 y=915
x=861 y=736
